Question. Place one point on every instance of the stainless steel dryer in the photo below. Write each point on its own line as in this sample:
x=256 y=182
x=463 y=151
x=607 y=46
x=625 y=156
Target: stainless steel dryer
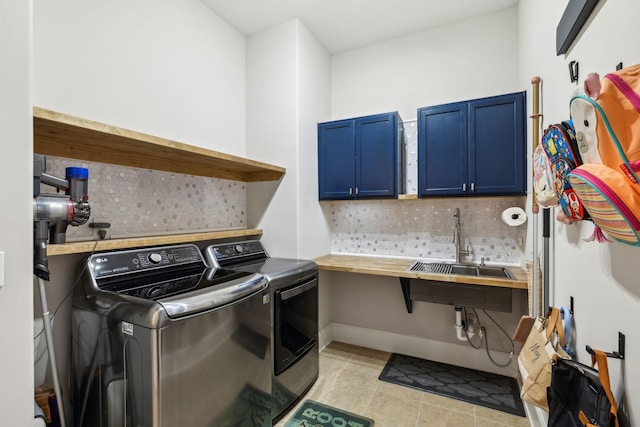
x=293 y=287
x=161 y=340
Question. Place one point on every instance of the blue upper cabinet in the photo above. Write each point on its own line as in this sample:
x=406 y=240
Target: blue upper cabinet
x=360 y=157
x=336 y=159
x=473 y=148
x=442 y=149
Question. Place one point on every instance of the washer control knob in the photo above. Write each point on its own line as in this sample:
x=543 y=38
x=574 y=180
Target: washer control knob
x=238 y=249
x=155 y=258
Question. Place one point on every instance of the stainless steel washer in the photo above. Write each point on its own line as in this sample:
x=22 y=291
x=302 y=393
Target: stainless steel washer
x=293 y=288
x=161 y=340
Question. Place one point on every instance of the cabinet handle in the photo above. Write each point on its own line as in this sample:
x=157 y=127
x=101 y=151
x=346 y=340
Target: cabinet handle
x=464 y=187
x=350 y=191
x=473 y=186
x=357 y=191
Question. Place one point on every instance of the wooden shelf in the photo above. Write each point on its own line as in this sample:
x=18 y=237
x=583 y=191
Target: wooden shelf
x=61 y=135
x=407 y=197
x=135 y=242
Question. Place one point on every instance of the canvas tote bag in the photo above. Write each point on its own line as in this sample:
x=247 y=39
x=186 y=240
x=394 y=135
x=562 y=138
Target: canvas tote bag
x=545 y=340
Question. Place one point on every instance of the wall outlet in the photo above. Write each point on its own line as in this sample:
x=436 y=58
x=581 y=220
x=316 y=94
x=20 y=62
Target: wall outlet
x=101 y=229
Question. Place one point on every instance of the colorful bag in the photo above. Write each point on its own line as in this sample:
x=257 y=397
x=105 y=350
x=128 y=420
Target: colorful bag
x=608 y=130
x=612 y=201
x=545 y=192
x=559 y=143
x=607 y=122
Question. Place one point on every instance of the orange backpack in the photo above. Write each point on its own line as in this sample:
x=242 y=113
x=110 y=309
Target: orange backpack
x=608 y=136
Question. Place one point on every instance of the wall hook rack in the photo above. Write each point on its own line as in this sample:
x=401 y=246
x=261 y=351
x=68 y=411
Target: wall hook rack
x=616 y=354
x=573 y=71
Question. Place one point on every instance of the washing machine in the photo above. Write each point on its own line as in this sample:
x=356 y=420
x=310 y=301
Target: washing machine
x=162 y=340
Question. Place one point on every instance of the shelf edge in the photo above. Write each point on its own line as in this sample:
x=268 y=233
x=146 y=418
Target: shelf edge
x=135 y=242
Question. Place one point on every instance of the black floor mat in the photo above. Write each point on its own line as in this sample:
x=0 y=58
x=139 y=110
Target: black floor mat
x=476 y=387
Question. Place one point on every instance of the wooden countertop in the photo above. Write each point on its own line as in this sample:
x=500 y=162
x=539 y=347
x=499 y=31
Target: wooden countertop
x=395 y=267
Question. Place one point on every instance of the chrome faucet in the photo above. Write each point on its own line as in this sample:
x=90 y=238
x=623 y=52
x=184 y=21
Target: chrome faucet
x=457 y=236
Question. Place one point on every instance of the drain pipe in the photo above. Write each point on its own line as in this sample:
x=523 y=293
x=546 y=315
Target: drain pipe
x=459 y=326
x=464 y=330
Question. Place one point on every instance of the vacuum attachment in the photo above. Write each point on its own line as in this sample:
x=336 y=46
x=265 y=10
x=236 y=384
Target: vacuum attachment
x=52 y=213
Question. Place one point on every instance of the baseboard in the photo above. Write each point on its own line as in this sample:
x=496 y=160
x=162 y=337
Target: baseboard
x=325 y=336
x=444 y=352
x=537 y=417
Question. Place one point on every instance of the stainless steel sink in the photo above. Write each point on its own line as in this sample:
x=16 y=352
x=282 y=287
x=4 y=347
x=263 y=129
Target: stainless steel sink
x=462 y=269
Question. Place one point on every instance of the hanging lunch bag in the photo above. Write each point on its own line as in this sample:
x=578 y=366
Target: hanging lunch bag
x=559 y=143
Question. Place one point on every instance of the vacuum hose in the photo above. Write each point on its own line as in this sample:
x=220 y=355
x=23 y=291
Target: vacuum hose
x=46 y=320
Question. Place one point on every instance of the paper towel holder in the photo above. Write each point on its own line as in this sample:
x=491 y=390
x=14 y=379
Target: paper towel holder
x=514 y=216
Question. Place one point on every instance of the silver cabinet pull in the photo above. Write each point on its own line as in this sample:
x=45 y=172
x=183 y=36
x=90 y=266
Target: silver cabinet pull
x=357 y=191
x=473 y=186
x=350 y=191
x=464 y=187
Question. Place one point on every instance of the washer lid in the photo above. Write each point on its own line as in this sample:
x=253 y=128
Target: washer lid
x=281 y=270
x=215 y=291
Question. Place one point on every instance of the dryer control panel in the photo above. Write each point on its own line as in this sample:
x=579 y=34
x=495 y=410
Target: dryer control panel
x=235 y=253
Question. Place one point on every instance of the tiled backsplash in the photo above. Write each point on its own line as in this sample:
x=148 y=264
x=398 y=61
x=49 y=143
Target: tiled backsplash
x=148 y=202
x=424 y=228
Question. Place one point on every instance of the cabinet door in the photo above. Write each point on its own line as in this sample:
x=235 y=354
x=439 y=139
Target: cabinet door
x=377 y=155
x=497 y=164
x=336 y=160
x=442 y=150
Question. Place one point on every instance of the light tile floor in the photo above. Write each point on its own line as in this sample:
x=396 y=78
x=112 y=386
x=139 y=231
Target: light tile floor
x=349 y=380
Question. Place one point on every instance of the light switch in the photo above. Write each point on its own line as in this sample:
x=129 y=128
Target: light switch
x=1 y=269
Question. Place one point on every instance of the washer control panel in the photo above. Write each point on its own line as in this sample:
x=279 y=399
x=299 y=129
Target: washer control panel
x=144 y=260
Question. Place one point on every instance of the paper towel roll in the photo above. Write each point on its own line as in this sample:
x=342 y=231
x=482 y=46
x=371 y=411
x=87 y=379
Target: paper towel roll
x=514 y=216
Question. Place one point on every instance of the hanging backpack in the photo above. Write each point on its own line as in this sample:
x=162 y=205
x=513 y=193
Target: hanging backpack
x=608 y=131
x=560 y=146
x=543 y=187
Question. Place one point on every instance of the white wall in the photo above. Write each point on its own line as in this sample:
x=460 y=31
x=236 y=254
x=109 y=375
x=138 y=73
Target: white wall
x=16 y=139
x=314 y=89
x=272 y=93
x=602 y=278
x=470 y=59
x=172 y=68
x=287 y=94
x=474 y=58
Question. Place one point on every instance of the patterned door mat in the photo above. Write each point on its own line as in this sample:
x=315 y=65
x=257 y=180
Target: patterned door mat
x=476 y=387
x=315 y=414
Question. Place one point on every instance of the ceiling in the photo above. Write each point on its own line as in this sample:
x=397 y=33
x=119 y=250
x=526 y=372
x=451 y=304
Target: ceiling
x=341 y=25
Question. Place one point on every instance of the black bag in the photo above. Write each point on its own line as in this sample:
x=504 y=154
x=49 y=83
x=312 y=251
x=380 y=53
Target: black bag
x=580 y=395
